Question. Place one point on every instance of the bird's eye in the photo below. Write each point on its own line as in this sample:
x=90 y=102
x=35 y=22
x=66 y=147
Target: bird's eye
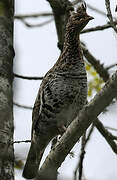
x=81 y=19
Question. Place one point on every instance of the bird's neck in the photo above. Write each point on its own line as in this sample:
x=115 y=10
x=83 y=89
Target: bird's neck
x=71 y=57
x=72 y=52
x=72 y=45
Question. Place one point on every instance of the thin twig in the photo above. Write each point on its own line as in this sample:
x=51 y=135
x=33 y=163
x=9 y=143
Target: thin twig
x=36 y=15
x=107 y=135
x=89 y=134
x=23 y=106
x=111 y=66
x=35 y=25
x=25 y=141
x=111 y=128
x=82 y=156
x=27 y=77
x=83 y=146
x=99 y=28
x=109 y=15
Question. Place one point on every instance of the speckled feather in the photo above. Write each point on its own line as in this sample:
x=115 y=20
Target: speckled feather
x=62 y=93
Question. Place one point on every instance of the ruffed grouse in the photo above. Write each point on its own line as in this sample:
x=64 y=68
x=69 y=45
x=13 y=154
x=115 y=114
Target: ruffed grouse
x=62 y=93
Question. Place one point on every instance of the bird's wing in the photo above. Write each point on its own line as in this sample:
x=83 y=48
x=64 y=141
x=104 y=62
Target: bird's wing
x=58 y=93
x=55 y=95
x=36 y=109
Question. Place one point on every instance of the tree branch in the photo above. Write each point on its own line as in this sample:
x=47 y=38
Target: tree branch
x=23 y=106
x=78 y=127
x=113 y=129
x=36 y=25
x=105 y=76
x=109 y=15
x=99 y=28
x=27 y=77
x=80 y=164
x=111 y=66
x=61 y=10
x=107 y=135
x=25 y=16
x=82 y=154
x=25 y=141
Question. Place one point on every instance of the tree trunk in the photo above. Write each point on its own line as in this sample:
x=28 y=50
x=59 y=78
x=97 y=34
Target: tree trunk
x=6 y=93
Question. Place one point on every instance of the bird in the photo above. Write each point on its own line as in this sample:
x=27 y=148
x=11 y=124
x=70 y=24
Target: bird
x=62 y=93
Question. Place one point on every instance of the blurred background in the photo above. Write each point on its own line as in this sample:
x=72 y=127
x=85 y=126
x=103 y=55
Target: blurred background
x=36 y=52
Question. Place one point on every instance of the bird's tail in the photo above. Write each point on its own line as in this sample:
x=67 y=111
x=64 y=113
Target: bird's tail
x=32 y=162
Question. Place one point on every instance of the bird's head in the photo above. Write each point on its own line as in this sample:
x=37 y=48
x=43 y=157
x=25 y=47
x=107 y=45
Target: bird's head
x=79 y=19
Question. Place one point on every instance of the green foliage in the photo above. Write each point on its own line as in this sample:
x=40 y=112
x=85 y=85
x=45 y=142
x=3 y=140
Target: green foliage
x=95 y=83
x=18 y=164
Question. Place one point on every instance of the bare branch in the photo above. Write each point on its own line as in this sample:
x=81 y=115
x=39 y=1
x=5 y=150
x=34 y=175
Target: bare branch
x=25 y=141
x=23 y=106
x=89 y=134
x=111 y=66
x=109 y=15
x=82 y=155
x=25 y=16
x=99 y=28
x=36 y=25
x=61 y=9
x=105 y=75
x=111 y=128
x=107 y=135
x=27 y=77
x=80 y=164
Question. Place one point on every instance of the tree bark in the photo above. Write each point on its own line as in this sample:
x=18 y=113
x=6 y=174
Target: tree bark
x=61 y=9
x=6 y=93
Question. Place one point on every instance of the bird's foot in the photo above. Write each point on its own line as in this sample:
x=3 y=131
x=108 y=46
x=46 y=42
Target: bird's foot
x=62 y=129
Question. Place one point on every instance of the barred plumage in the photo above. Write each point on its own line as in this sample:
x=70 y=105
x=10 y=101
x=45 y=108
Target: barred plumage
x=62 y=93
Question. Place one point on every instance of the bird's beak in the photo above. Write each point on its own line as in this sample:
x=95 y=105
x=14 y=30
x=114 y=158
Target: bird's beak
x=90 y=18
